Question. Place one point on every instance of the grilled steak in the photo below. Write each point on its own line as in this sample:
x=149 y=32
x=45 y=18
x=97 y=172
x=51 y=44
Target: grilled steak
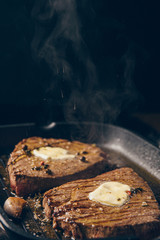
x=30 y=170
x=81 y=218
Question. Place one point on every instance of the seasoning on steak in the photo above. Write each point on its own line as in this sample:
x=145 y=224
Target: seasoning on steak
x=29 y=173
x=81 y=218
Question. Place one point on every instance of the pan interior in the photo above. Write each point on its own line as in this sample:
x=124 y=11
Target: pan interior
x=33 y=220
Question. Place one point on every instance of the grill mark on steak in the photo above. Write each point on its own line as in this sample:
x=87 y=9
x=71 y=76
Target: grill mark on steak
x=95 y=220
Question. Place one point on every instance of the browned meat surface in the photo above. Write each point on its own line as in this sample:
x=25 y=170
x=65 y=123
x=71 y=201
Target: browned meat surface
x=81 y=218
x=29 y=173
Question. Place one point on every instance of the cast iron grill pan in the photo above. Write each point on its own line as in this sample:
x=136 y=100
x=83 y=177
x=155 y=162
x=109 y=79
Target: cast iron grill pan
x=124 y=147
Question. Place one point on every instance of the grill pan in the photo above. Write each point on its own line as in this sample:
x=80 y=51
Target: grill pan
x=125 y=149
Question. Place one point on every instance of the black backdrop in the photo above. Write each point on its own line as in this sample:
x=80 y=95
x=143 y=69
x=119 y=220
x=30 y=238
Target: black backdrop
x=93 y=60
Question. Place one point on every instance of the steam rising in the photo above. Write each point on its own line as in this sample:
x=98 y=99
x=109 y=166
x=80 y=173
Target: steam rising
x=75 y=81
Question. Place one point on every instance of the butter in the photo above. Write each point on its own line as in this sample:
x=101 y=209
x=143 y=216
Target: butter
x=54 y=153
x=111 y=194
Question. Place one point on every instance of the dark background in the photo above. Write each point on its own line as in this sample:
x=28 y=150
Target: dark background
x=118 y=39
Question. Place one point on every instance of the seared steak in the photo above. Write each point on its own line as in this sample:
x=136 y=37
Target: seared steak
x=79 y=217
x=31 y=172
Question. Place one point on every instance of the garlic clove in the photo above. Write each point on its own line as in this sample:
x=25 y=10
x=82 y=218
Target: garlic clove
x=13 y=206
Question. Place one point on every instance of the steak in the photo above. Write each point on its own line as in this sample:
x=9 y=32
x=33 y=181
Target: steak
x=30 y=173
x=81 y=218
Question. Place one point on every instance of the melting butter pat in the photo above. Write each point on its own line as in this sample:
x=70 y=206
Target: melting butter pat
x=111 y=194
x=52 y=152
